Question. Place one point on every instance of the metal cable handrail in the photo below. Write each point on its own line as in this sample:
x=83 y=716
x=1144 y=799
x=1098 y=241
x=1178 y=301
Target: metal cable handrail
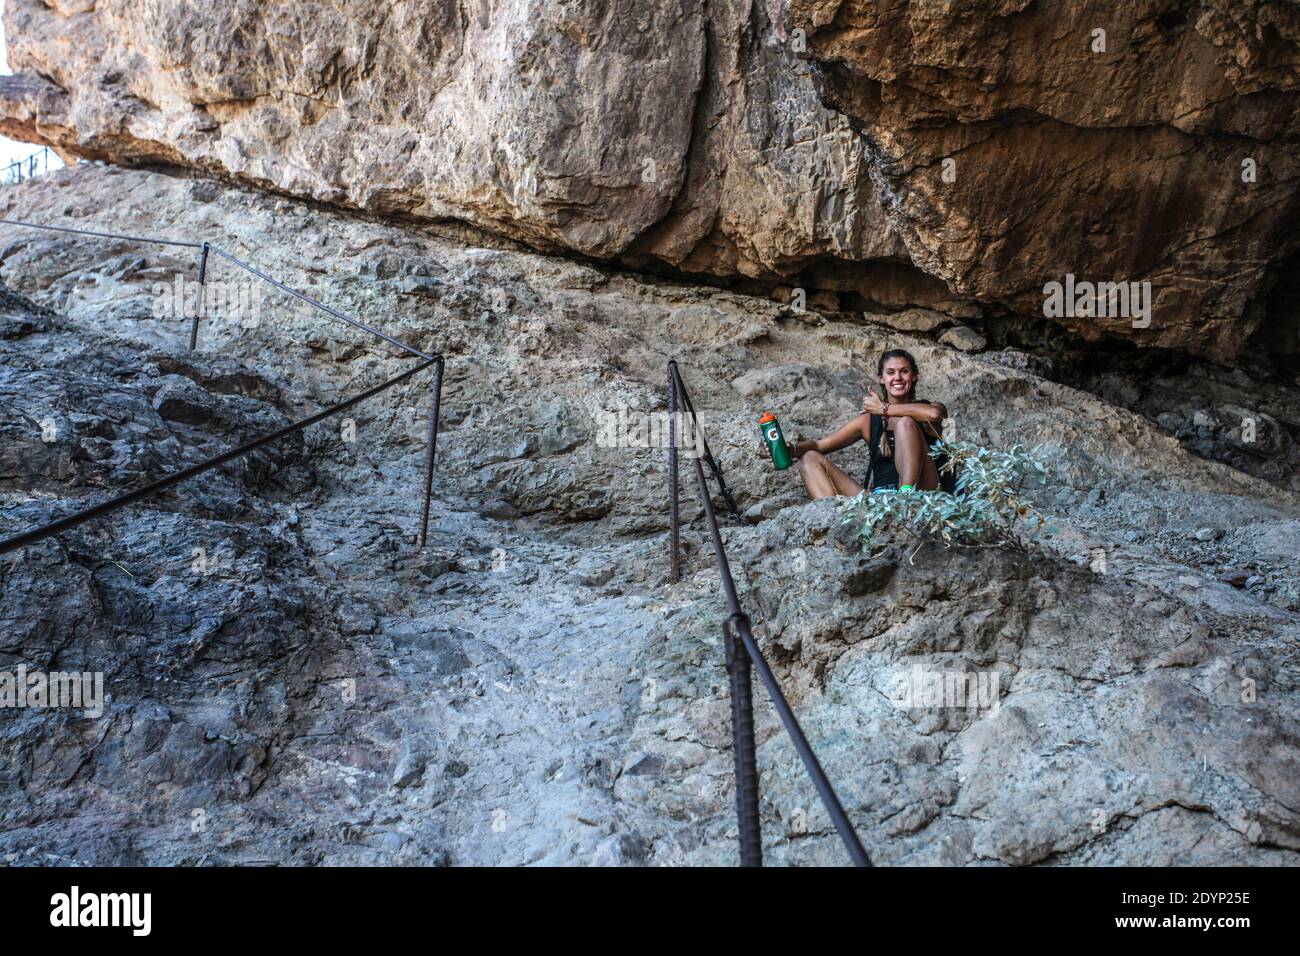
x=30 y=161
x=738 y=666
x=709 y=459
x=204 y=248
x=121 y=501
x=102 y=235
x=320 y=305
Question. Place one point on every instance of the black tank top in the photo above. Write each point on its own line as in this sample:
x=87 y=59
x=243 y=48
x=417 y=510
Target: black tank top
x=884 y=473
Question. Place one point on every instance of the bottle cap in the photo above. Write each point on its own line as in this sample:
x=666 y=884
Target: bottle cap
x=767 y=417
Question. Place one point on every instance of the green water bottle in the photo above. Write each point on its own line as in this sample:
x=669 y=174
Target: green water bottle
x=771 y=430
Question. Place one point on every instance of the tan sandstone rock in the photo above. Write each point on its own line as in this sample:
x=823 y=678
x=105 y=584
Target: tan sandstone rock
x=678 y=133
x=907 y=153
x=963 y=337
x=1019 y=142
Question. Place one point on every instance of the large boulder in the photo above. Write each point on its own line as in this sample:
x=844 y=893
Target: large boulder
x=665 y=132
x=1021 y=142
x=909 y=153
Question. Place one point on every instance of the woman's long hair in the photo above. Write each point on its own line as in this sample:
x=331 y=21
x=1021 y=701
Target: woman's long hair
x=885 y=450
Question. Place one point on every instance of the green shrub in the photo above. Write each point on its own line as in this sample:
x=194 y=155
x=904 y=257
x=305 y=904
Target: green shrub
x=987 y=509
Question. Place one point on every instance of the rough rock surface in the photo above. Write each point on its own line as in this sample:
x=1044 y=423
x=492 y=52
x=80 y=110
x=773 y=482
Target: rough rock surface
x=683 y=132
x=530 y=689
x=1016 y=144
x=692 y=134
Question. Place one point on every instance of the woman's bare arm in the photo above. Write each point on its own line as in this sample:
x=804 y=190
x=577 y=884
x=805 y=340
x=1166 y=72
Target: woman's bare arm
x=932 y=412
x=842 y=437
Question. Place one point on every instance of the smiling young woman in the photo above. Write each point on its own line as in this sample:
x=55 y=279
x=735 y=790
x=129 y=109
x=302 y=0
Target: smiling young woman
x=906 y=430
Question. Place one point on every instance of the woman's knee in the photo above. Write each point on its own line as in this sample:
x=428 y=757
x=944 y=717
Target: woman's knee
x=812 y=459
x=908 y=432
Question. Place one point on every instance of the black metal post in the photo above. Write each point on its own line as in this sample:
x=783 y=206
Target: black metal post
x=834 y=809
x=742 y=705
x=674 y=519
x=750 y=646
x=744 y=749
x=198 y=308
x=430 y=451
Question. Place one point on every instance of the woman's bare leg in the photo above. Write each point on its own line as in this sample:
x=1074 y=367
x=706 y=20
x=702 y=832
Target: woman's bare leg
x=915 y=466
x=822 y=479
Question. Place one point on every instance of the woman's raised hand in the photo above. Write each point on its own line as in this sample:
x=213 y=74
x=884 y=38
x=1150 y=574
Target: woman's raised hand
x=872 y=405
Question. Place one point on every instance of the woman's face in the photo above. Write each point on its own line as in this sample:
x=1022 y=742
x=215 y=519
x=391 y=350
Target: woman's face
x=898 y=379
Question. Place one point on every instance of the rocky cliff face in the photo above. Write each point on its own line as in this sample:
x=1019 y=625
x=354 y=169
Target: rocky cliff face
x=691 y=134
x=1021 y=141
x=530 y=689
x=681 y=132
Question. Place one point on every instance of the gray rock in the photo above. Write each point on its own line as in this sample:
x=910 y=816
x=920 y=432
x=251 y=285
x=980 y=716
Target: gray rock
x=1170 y=421
x=913 y=320
x=410 y=767
x=1237 y=577
x=421 y=285
x=964 y=338
x=180 y=400
x=1024 y=362
x=569 y=704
